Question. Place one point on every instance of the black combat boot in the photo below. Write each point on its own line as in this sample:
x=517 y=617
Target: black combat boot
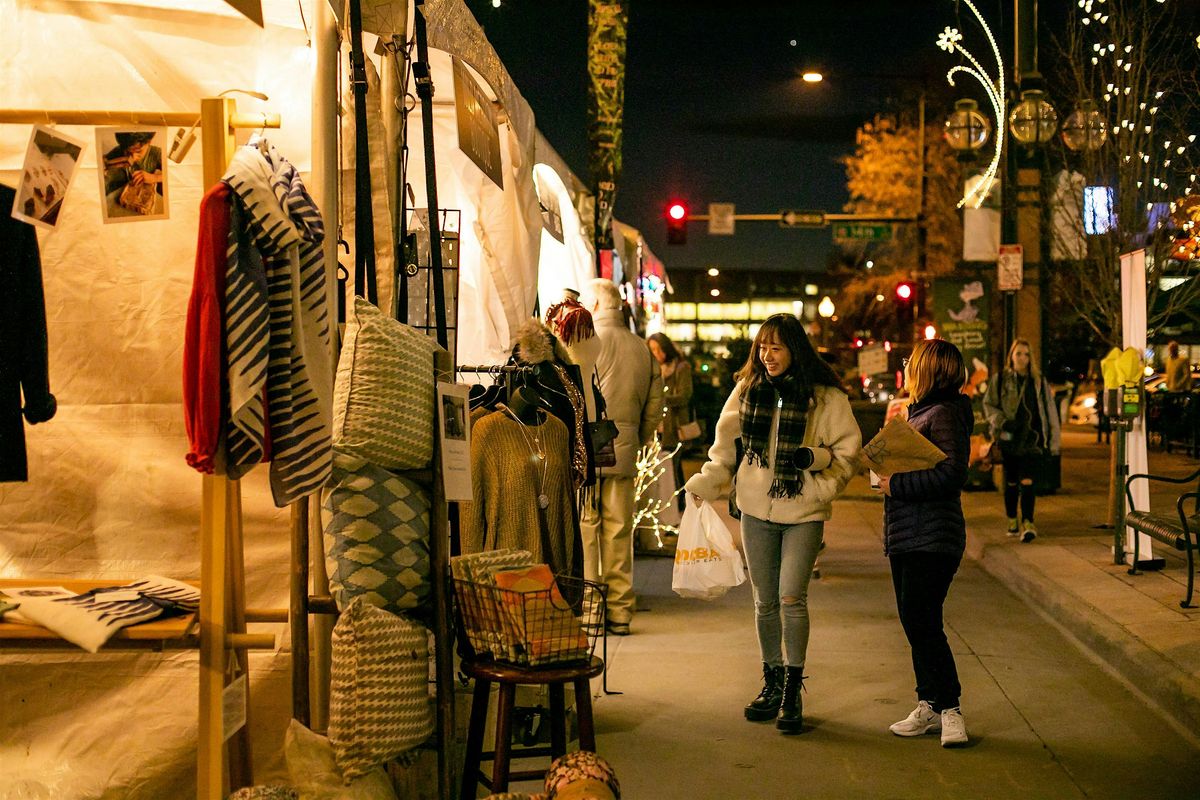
x=766 y=705
x=790 y=719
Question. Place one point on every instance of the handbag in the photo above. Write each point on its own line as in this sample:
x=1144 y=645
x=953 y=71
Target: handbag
x=689 y=431
x=603 y=432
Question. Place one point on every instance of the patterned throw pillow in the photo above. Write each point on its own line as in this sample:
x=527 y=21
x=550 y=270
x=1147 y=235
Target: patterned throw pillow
x=376 y=536
x=383 y=398
x=265 y=793
x=379 y=705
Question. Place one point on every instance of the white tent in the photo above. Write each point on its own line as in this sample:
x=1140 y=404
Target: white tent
x=109 y=493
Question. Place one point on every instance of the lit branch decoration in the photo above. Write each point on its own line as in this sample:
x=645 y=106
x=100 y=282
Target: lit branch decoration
x=950 y=41
x=651 y=465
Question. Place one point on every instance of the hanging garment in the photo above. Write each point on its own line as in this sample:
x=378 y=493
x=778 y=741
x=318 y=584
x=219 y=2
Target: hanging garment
x=277 y=328
x=508 y=480
x=204 y=385
x=24 y=365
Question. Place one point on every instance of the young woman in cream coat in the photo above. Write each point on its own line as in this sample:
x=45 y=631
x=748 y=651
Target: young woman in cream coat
x=794 y=424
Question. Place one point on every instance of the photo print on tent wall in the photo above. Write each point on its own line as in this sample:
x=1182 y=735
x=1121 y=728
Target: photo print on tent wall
x=133 y=173
x=50 y=164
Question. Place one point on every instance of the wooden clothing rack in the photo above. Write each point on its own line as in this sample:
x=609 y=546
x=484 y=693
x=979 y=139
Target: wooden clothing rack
x=219 y=628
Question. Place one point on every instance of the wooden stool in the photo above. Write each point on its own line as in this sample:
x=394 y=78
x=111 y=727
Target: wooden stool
x=509 y=677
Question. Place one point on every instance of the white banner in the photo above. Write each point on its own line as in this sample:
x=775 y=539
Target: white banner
x=1133 y=333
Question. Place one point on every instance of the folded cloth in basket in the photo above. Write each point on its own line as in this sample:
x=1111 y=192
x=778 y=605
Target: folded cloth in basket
x=543 y=622
x=92 y=618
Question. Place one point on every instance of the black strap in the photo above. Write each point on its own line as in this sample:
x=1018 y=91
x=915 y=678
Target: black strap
x=364 y=218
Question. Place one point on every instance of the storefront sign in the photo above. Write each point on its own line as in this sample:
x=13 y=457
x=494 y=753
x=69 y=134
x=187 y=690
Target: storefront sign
x=478 y=131
x=606 y=103
x=960 y=313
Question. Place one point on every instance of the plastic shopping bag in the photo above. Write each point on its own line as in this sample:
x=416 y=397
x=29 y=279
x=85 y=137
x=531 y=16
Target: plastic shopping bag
x=707 y=564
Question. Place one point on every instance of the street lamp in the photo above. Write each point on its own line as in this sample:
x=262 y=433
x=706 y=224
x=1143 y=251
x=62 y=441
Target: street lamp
x=825 y=307
x=1085 y=129
x=1033 y=120
x=967 y=130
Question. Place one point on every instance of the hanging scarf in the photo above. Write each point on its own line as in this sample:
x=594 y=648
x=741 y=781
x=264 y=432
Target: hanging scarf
x=757 y=411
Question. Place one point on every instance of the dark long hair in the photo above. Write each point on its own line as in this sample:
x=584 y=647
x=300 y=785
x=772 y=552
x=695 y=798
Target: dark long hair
x=807 y=367
x=668 y=347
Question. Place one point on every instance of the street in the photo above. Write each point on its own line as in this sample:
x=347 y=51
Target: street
x=1045 y=720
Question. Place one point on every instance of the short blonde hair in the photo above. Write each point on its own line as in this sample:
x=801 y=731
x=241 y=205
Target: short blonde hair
x=935 y=365
x=605 y=293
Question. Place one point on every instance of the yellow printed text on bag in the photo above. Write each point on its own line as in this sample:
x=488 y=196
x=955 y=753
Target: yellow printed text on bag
x=699 y=554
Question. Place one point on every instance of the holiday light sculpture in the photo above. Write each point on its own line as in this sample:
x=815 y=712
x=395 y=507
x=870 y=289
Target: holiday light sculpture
x=652 y=464
x=950 y=40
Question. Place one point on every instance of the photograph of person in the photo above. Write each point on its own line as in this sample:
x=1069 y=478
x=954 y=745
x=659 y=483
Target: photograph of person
x=454 y=418
x=50 y=161
x=133 y=173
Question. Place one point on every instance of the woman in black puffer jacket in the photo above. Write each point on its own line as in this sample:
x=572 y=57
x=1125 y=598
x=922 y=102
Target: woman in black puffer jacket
x=925 y=535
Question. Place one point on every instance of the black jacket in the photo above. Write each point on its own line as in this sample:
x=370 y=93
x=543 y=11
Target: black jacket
x=23 y=355
x=924 y=511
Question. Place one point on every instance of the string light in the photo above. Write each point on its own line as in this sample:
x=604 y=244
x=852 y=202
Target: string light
x=950 y=40
x=651 y=466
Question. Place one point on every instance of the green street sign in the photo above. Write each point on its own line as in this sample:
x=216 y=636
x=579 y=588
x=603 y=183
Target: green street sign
x=871 y=232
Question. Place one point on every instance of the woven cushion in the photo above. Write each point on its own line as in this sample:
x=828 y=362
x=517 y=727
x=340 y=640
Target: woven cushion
x=265 y=793
x=376 y=536
x=378 y=701
x=383 y=398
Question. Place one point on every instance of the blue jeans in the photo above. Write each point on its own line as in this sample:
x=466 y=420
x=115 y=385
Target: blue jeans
x=780 y=558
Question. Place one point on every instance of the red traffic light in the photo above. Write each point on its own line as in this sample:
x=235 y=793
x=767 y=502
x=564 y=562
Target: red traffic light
x=677 y=214
x=904 y=291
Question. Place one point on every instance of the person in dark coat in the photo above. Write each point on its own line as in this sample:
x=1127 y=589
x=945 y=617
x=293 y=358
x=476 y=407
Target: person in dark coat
x=925 y=535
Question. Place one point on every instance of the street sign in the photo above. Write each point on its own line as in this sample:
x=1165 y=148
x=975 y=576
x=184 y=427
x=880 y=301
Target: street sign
x=860 y=231
x=1010 y=264
x=872 y=359
x=789 y=218
x=720 y=219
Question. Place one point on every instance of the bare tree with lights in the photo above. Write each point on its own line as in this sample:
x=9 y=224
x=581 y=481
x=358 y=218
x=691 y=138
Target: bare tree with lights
x=1132 y=70
x=652 y=464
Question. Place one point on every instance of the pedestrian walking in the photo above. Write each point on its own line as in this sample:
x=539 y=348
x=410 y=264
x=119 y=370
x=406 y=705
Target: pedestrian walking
x=677 y=400
x=632 y=388
x=800 y=442
x=1024 y=420
x=924 y=535
x=1178 y=370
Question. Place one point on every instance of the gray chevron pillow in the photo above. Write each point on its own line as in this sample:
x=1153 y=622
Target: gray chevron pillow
x=379 y=704
x=376 y=536
x=383 y=397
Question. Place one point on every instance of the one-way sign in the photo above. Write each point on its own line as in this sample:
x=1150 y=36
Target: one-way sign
x=801 y=219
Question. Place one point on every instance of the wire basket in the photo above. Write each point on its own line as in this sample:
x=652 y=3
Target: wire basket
x=532 y=628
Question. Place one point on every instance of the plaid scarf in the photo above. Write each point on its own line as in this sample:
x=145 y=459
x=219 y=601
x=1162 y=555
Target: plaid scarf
x=757 y=411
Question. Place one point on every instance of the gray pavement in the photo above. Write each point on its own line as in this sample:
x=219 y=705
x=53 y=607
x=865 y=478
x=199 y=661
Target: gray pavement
x=1079 y=680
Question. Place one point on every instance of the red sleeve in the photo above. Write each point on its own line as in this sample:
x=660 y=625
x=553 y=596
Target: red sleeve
x=204 y=338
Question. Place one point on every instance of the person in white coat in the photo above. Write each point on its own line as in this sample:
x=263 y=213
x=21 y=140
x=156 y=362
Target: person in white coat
x=632 y=388
x=800 y=443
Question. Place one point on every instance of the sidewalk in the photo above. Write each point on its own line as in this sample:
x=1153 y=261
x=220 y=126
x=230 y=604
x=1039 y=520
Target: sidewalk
x=1132 y=623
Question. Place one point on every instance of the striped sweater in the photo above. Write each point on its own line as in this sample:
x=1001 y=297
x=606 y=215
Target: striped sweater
x=277 y=328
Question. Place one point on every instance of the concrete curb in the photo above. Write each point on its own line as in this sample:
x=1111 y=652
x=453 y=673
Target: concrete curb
x=1142 y=667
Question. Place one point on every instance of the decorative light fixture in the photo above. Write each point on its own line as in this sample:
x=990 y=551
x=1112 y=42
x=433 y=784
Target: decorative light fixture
x=950 y=40
x=1084 y=129
x=825 y=307
x=713 y=272
x=1033 y=120
x=812 y=76
x=967 y=130
x=1097 y=210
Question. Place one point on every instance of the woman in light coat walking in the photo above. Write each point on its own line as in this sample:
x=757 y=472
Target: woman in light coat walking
x=800 y=441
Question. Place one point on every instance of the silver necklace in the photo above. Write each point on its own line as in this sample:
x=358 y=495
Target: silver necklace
x=538 y=456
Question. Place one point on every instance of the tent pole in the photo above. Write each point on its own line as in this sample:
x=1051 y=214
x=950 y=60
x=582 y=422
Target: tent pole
x=424 y=83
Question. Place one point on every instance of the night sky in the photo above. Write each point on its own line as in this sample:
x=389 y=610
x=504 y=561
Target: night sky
x=715 y=110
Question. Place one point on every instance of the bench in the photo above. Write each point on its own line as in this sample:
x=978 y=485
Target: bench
x=1179 y=530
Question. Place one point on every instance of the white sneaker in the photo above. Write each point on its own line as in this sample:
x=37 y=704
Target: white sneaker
x=923 y=719
x=954 y=728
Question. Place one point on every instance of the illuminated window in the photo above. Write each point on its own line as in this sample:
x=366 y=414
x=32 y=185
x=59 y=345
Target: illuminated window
x=1097 y=209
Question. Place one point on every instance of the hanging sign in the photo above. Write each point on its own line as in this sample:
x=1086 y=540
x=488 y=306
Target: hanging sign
x=478 y=130
x=721 y=219
x=960 y=313
x=454 y=435
x=1011 y=268
x=606 y=104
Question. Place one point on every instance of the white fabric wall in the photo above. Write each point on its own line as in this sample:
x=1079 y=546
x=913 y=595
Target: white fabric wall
x=500 y=229
x=568 y=263
x=109 y=493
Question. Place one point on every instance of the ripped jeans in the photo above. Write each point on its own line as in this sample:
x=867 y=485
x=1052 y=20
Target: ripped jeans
x=780 y=558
